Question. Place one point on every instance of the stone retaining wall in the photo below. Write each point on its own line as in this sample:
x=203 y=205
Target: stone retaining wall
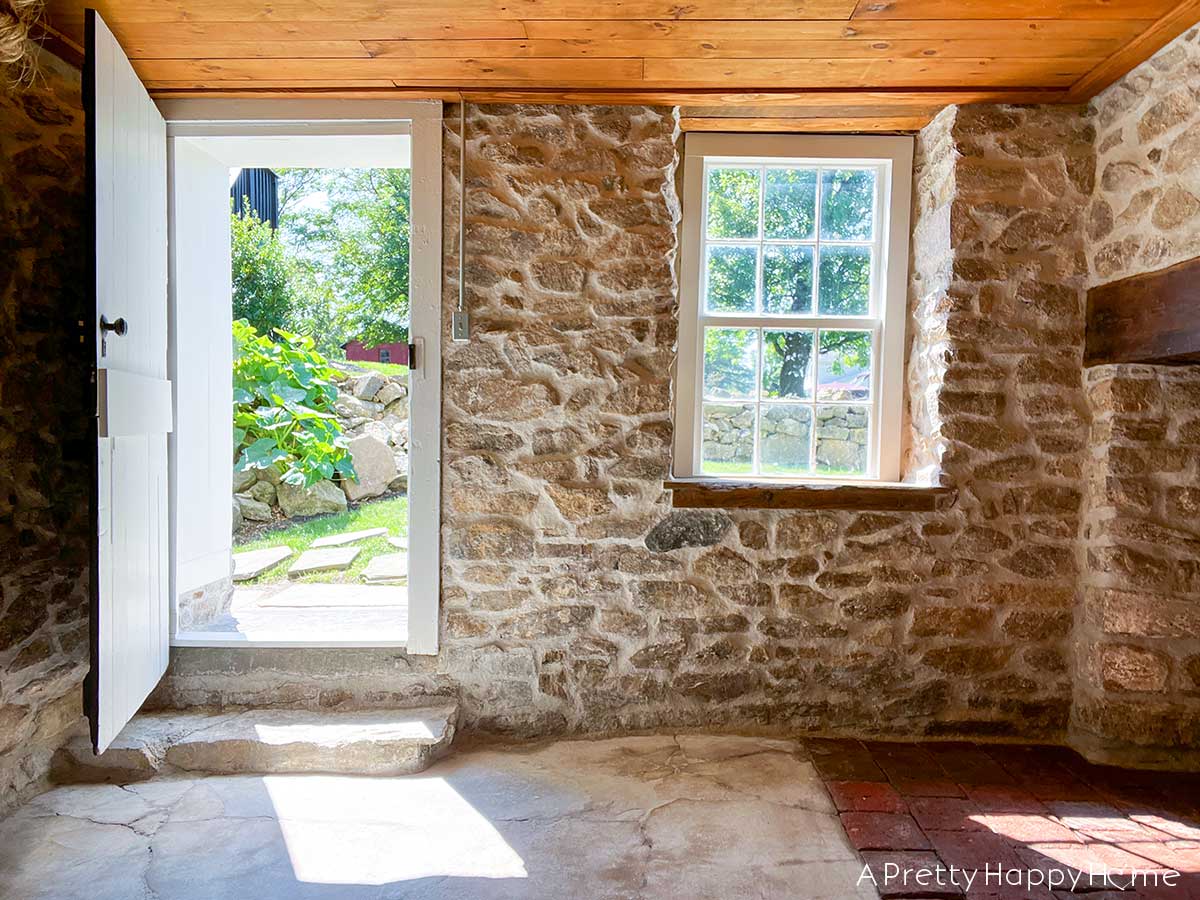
x=372 y=409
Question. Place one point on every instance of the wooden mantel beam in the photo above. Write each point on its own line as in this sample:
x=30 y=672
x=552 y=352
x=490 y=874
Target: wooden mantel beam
x=1149 y=318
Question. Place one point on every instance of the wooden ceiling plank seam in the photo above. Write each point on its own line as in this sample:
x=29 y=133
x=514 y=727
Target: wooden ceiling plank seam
x=1173 y=23
x=832 y=99
x=994 y=9
x=304 y=10
x=668 y=48
x=808 y=29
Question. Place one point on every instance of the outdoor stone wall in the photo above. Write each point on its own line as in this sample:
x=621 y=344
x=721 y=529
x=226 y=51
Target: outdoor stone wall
x=1138 y=653
x=44 y=411
x=372 y=409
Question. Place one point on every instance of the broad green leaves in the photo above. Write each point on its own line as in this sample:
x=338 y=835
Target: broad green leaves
x=283 y=397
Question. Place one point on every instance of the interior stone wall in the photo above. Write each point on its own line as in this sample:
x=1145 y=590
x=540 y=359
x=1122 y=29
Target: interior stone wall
x=1145 y=212
x=43 y=414
x=1138 y=688
x=590 y=604
x=1138 y=685
x=576 y=599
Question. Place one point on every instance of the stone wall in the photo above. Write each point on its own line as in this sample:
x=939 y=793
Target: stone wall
x=1139 y=627
x=575 y=599
x=44 y=410
x=1138 y=684
x=1145 y=213
x=613 y=611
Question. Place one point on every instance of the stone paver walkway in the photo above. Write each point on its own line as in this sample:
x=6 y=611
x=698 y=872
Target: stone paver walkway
x=313 y=613
x=638 y=818
x=387 y=568
x=347 y=537
x=253 y=563
x=327 y=559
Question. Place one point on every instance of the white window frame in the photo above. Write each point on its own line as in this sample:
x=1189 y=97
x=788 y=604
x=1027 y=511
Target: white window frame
x=891 y=156
x=215 y=119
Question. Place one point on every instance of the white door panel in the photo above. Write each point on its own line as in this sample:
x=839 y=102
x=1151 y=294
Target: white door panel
x=127 y=168
x=201 y=363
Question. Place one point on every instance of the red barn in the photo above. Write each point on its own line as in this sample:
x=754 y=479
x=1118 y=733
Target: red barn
x=394 y=352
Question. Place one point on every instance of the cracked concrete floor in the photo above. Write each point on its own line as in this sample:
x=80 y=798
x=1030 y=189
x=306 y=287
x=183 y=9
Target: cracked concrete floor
x=643 y=817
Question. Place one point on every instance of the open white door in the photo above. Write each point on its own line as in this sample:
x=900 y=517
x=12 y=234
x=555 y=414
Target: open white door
x=127 y=175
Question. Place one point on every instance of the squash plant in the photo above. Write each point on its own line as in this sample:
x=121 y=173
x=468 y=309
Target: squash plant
x=283 y=400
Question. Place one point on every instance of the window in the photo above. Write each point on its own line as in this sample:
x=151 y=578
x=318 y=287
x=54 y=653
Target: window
x=385 y=355
x=791 y=340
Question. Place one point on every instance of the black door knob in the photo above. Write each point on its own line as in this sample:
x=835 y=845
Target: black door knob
x=118 y=327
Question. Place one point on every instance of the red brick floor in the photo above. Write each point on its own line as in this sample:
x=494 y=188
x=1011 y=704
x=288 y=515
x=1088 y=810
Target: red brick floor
x=1004 y=822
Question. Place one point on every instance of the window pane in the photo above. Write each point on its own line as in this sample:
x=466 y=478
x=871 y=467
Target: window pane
x=845 y=283
x=844 y=366
x=847 y=204
x=787 y=279
x=728 y=440
x=730 y=362
x=733 y=203
x=785 y=433
x=731 y=278
x=790 y=197
x=842 y=440
x=787 y=363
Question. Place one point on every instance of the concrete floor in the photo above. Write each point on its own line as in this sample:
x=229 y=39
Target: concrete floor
x=643 y=817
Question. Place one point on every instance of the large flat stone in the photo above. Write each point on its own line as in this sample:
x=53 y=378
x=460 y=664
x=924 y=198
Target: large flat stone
x=651 y=817
x=387 y=568
x=253 y=563
x=269 y=741
x=327 y=559
x=347 y=537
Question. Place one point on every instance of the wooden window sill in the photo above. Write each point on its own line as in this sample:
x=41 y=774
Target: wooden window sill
x=710 y=493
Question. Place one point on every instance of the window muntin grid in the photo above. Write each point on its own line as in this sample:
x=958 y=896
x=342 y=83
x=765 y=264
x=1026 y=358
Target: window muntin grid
x=818 y=427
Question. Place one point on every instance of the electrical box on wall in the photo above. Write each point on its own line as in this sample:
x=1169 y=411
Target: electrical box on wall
x=460 y=326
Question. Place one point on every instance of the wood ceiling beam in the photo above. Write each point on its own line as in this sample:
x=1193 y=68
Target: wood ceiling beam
x=804 y=125
x=1148 y=318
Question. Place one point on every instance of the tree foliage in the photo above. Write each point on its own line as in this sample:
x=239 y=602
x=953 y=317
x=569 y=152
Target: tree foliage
x=353 y=245
x=789 y=198
x=264 y=291
x=283 y=399
x=337 y=268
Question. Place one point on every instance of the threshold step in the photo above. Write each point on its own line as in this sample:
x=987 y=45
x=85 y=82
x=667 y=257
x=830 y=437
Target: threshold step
x=265 y=742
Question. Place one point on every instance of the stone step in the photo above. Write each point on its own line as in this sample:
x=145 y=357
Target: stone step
x=265 y=742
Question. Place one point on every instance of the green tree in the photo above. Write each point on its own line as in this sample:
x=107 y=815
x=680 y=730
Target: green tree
x=263 y=291
x=349 y=230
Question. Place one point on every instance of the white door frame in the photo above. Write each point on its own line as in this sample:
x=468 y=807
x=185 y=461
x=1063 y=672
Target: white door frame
x=422 y=119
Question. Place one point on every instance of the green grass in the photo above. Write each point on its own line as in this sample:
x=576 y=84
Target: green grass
x=390 y=513
x=385 y=368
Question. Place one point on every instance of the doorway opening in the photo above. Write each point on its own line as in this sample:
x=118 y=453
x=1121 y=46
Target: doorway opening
x=306 y=297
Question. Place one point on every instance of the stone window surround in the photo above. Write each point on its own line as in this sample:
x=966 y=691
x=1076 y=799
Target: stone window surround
x=914 y=491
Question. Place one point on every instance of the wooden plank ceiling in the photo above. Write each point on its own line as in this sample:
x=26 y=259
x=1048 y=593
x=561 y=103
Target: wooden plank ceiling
x=802 y=65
